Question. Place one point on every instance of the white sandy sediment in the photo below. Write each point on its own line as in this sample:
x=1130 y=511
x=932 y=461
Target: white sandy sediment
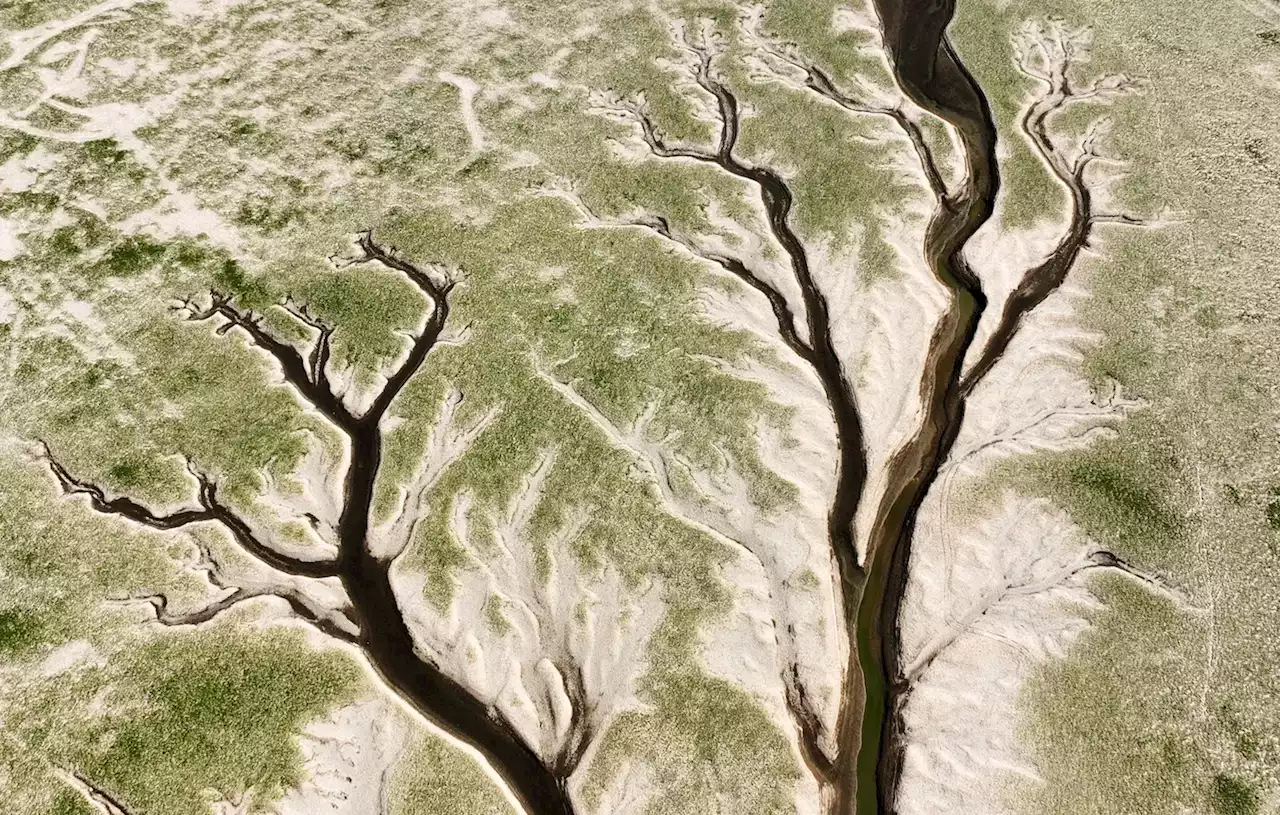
x=516 y=637
x=68 y=656
x=997 y=590
x=783 y=582
x=881 y=330
x=10 y=244
x=1002 y=256
x=194 y=9
x=1005 y=604
x=348 y=758
x=786 y=610
x=467 y=90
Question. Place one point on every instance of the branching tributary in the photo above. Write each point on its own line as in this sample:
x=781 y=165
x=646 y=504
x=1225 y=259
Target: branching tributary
x=930 y=72
x=372 y=619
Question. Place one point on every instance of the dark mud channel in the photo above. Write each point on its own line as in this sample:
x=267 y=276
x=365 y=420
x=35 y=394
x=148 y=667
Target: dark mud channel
x=930 y=72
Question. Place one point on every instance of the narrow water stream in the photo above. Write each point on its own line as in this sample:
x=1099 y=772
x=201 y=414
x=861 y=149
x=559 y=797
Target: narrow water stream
x=928 y=70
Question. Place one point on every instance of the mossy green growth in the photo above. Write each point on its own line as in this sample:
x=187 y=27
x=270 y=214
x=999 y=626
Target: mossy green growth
x=28 y=202
x=21 y=631
x=105 y=151
x=495 y=617
x=1148 y=761
x=1118 y=490
x=367 y=308
x=57 y=561
x=1126 y=502
x=232 y=279
x=707 y=742
x=134 y=255
x=811 y=25
x=843 y=178
x=13 y=143
x=220 y=712
x=155 y=721
x=85 y=232
x=621 y=319
x=130 y=473
x=1248 y=742
x=188 y=393
x=71 y=803
x=1273 y=509
x=434 y=779
x=1232 y=796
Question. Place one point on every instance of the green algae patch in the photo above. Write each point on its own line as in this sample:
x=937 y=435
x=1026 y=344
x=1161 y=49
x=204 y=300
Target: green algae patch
x=71 y=803
x=1232 y=796
x=434 y=779
x=656 y=352
x=1171 y=746
x=1148 y=761
x=57 y=562
x=1122 y=491
x=21 y=630
x=220 y=711
x=161 y=721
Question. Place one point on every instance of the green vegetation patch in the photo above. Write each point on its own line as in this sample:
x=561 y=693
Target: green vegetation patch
x=1232 y=796
x=220 y=711
x=21 y=630
x=1148 y=761
x=1121 y=491
x=432 y=778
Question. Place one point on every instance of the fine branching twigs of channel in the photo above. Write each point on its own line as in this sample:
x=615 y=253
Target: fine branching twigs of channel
x=858 y=765
x=1048 y=53
x=1026 y=584
x=347 y=592
x=707 y=512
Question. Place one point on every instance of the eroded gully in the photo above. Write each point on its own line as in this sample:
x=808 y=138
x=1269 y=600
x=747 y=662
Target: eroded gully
x=928 y=70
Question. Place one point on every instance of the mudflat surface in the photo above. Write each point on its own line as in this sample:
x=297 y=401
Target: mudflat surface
x=609 y=408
